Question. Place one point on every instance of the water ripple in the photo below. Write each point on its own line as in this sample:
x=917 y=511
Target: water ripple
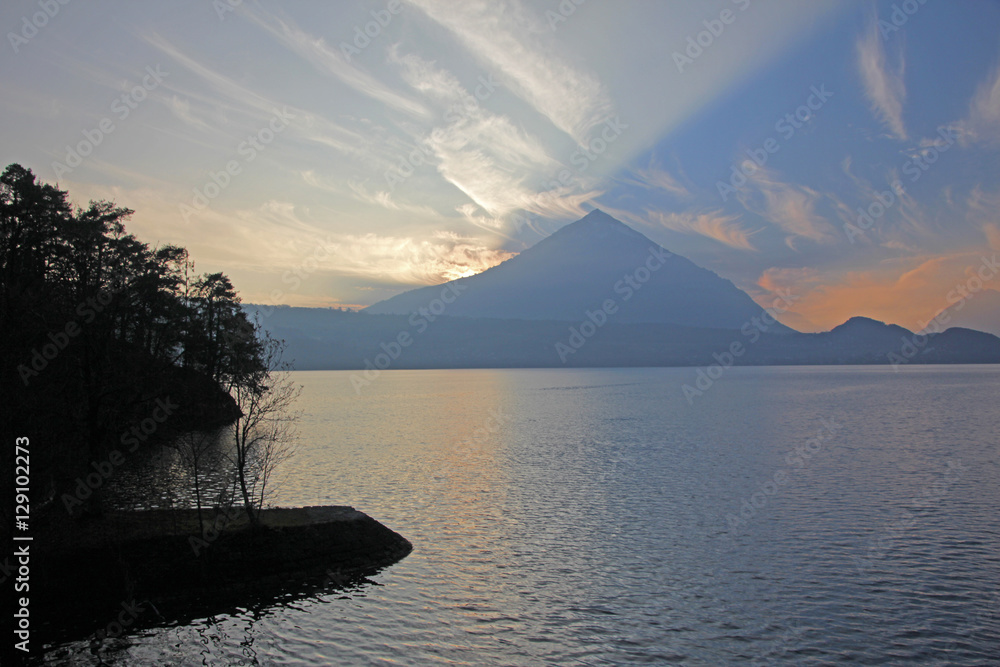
x=621 y=526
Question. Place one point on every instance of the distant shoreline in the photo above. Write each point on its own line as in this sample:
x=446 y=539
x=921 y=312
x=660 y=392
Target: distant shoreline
x=323 y=339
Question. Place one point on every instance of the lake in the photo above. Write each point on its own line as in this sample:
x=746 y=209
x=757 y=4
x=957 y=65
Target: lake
x=805 y=515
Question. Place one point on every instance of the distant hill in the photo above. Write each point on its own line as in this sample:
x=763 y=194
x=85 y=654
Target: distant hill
x=577 y=268
x=596 y=293
x=981 y=311
x=330 y=339
x=866 y=331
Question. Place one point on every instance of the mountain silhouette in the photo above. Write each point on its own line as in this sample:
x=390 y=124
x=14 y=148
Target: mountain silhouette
x=866 y=331
x=979 y=311
x=581 y=266
x=321 y=338
x=596 y=293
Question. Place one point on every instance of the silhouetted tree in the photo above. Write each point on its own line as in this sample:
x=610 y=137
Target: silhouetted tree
x=264 y=435
x=95 y=326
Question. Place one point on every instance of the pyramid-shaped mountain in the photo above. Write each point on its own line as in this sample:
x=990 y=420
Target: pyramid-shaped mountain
x=578 y=268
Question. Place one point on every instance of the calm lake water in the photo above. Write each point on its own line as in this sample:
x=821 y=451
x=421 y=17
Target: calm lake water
x=597 y=517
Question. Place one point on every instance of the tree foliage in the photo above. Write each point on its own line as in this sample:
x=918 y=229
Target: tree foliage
x=96 y=326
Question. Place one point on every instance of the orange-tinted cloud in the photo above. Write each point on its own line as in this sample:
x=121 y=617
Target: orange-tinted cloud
x=906 y=292
x=715 y=225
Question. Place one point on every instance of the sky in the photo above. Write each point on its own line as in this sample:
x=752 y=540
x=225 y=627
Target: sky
x=338 y=153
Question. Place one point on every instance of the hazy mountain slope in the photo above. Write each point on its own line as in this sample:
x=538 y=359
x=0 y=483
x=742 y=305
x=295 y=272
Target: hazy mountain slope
x=580 y=266
x=329 y=339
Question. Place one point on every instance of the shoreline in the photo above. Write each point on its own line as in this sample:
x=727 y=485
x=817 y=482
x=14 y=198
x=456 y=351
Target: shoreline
x=111 y=575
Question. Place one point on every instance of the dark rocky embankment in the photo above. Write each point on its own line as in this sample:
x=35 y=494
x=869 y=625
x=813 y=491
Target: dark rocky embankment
x=156 y=567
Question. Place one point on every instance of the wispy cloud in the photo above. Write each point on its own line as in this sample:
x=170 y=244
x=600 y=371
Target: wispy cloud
x=992 y=232
x=247 y=101
x=775 y=279
x=884 y=85
x=653 y=177
x=137 y=180
x=230 y=98
x=788 y=206
x=384 y=199
x=984 y=209
x=483 y=154
x=393 y=259
x=903 y=224
x=18 y=100
x=557 y=204
x=798 y=281
x=573 y=100
x=713 y=224
x=983 y=122
x=917 y=228
x=330 y=61
x=360 y=192
x=181 y=109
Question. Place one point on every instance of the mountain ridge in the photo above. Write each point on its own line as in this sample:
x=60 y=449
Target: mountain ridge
x=596 y=293
x=328 y=339
x=980 y=311
x=578 y=268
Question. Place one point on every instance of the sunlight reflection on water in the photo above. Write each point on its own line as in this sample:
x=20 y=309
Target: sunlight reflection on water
x=587 y=517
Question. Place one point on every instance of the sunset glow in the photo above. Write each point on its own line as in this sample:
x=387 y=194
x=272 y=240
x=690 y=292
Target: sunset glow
x=387 y=147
